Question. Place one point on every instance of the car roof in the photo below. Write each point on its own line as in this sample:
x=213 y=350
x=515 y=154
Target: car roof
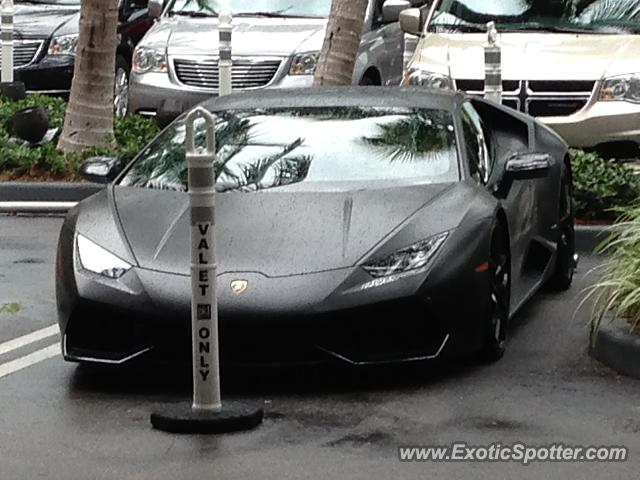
x=337 y=97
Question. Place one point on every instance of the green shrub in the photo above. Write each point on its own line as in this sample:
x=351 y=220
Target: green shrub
x=618 y=290
x=45 y=161
x=602 y=187
x=133 y=132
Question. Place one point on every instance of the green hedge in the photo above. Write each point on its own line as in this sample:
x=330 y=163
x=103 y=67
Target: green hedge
x=602 y=187
x=46 y=161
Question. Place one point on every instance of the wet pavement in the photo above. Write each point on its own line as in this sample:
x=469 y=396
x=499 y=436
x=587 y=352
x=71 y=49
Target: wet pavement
x=61 y=421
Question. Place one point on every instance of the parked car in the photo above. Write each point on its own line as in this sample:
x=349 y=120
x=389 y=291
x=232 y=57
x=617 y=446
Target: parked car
x=364 y=224
x=46 y=36
x=572 y=63
x=276 y=44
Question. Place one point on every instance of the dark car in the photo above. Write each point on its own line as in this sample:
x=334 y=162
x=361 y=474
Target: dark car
x=367 y=225
x=46 y=35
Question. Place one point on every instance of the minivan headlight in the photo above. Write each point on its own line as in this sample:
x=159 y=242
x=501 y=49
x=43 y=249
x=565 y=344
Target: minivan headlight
x=147 y=60
x=304 y=63
x=623 y=88
x=431 y=80
x=64 y=45
x=413 y=257
x=96 y=259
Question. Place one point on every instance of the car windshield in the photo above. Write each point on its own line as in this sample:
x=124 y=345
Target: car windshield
x=263 y=149
x=276 y=8
x=573 y=16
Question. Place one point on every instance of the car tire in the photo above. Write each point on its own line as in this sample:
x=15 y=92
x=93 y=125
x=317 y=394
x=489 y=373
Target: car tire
x=121 y=87
x=497 y=318
x=562 y=276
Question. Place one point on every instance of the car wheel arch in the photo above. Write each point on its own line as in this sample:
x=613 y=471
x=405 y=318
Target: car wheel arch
x=372 y=75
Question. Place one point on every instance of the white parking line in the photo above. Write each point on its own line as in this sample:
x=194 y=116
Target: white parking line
x=33 y=337
x=29 y=360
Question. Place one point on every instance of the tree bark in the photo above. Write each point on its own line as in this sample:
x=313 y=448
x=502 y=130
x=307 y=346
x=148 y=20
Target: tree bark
x=338 y=57
x=89 y=117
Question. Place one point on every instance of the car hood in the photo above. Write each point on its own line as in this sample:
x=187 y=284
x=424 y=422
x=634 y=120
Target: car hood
x=38 y=21
x=251 y=36
x=533 y=56
x=275 y=233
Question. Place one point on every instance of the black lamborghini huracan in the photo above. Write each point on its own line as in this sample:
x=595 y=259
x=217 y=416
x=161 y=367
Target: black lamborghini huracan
x=367 y=225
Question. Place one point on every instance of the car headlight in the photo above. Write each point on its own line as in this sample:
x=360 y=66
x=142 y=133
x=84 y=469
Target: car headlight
x=431 y=80
x=96 y=259
x=411 y=258
x=147 y=60
x=64 y=45
x=304 y=63
x=624 y=88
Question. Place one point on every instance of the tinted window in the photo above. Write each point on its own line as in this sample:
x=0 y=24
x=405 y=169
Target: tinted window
x=604 y=16
x=475 y=144
x=275 y=148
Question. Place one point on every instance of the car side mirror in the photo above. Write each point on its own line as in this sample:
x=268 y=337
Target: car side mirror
x=411 y=21
x=526 y=166
x=101 y=169
x=155 y=8
x=391 y=10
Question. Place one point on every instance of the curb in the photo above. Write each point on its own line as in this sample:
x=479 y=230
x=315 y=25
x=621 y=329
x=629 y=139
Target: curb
x=44 y=197
x=588 y=237
x=617 y=348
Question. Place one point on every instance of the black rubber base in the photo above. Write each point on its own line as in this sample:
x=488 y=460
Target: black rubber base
x=181 y=418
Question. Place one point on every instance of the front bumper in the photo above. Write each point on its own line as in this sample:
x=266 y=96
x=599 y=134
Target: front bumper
x=97 y=333
x=104 y=321
x=412 y=319
x=149 y=91
x=51 y=75
x=599 y=123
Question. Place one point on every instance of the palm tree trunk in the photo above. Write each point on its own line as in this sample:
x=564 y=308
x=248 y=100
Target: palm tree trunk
x=341 y=43
x=89 y=117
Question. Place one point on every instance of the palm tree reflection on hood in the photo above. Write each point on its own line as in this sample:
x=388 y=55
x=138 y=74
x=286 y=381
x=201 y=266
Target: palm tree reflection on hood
x=263 y=149
x=162 y=165
x=422 y=135
x=232 y=136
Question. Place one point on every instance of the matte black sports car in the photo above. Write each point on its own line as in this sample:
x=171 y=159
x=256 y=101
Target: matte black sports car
x=361 y=224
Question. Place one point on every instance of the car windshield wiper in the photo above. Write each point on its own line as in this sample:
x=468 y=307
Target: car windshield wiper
x=194 y=14
x=280 y=14
x=457 y=27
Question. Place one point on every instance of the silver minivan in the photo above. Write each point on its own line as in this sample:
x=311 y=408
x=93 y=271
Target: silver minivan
x=276 y=44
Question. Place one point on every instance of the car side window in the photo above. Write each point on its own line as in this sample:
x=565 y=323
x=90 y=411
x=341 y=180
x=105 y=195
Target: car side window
x=377 y=13
x=480 y=162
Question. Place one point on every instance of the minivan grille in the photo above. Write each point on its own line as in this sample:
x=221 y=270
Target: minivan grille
x=24 y=52
x=246 y=72
x=540 y=98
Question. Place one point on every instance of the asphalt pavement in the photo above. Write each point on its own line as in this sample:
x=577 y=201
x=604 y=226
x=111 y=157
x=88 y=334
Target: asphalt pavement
x=61 y=421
